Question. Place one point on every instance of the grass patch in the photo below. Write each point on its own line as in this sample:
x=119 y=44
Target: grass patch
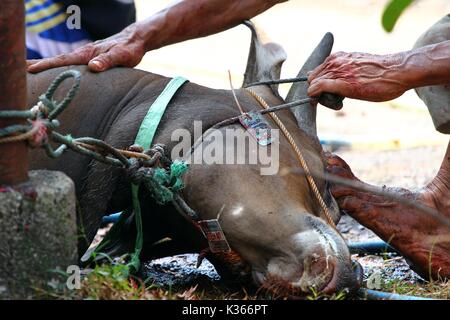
x=433 y=289
x=316 y=295
x=105 y=282
x=112 y=282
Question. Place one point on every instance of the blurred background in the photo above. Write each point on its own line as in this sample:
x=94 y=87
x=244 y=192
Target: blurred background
x=379 y=133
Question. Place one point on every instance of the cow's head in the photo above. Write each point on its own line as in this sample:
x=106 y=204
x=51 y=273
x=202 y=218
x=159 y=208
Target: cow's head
x=274 y=222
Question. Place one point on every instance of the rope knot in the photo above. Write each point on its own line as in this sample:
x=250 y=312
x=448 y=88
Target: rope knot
x=158 y=155
x=39 y=109
x=137 y=173
x=39 y=136
x=45 y=105
x=160 y=182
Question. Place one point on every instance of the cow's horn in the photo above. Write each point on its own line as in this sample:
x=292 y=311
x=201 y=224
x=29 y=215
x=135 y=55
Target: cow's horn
x=306 y=114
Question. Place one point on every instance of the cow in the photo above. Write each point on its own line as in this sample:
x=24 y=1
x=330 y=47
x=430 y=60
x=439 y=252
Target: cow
x=273 y=223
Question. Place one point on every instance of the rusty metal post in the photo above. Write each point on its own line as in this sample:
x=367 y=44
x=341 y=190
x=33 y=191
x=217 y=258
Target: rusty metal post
x=38 y=229
x=13 y=156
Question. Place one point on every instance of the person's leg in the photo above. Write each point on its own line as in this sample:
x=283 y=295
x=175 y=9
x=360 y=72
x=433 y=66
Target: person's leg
x=424 y=241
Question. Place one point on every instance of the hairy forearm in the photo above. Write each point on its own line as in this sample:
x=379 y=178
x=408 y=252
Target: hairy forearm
x=190 y=19
x=426 y=66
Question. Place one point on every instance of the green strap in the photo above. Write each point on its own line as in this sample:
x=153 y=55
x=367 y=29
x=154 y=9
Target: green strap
x=151 y=121
x=144 y=138
x=135 y=262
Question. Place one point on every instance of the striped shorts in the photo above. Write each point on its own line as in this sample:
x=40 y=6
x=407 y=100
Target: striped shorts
x=47 y=32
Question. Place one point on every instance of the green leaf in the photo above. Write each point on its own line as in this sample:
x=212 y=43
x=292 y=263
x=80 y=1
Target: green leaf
x=392 y=12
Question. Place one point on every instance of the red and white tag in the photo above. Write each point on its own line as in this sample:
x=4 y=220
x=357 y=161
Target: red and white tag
x=215 y=236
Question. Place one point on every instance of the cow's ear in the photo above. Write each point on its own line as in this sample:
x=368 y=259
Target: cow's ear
x=264 y=60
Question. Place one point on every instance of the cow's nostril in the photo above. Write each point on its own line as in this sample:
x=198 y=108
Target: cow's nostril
x=320 y=265
x=317 y=273
x=346 y=277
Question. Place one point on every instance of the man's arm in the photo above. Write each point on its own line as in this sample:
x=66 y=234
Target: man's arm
x=381 y=77
x=183 y=20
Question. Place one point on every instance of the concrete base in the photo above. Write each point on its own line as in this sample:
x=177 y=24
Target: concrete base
x=38 y=232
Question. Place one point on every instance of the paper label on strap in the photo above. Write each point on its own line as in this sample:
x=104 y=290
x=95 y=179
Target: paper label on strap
x=215 y=236
x=258 y=127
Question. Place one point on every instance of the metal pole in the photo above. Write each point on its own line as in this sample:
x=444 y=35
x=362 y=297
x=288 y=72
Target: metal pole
x=13 y=156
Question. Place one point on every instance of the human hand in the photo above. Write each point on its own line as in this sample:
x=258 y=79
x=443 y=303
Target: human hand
x=123 y=49
x=360 y=76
